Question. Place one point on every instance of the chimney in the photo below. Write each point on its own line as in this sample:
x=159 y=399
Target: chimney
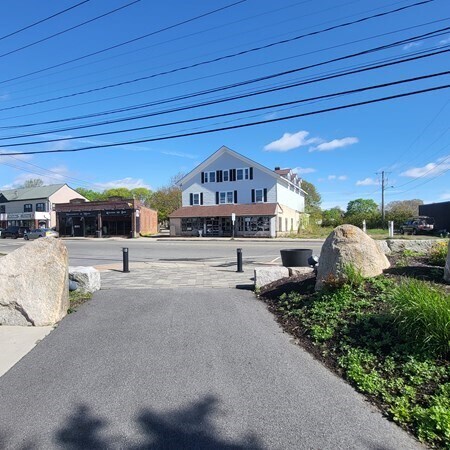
x=277 y=168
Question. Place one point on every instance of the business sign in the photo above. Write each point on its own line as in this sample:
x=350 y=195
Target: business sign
x=20 y=216
x=117 y=212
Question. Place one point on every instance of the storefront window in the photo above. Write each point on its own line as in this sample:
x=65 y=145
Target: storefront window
x=254 y=224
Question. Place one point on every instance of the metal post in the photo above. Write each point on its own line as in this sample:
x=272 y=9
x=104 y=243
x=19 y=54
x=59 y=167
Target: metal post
x=391 y=228
x=239 y=260
x=364 y=225
x=125 y=260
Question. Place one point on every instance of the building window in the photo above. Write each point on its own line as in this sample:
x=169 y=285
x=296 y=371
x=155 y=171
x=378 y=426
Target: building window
x=212 y=177
x=40 y=207
x=226 y=197
x=254 y=224
x=28 y=207
x=259 y=195
x=196 y=199
x=2 y=209
x=242 y=174
x=225 y=175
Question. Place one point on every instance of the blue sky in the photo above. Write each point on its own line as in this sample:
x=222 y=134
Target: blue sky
x=341 y=152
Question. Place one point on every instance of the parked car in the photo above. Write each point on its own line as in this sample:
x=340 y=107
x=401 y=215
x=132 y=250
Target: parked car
x=14 y=232
x=40 y=232
x=417 y=225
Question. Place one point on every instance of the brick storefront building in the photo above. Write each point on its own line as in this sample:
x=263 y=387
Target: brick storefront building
x=114 y=217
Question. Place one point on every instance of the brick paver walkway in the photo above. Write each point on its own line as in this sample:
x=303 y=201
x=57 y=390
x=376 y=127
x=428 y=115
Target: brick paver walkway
x=175 y=274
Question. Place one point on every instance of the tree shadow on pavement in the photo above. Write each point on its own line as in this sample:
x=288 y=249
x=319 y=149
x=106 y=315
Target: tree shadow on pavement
x=190 y=427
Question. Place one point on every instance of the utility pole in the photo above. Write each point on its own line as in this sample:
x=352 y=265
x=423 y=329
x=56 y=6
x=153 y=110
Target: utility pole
x=383 y=188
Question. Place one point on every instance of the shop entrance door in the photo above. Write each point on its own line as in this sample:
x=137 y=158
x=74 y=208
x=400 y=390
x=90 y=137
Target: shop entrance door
x=78 y=227
x=226 y=226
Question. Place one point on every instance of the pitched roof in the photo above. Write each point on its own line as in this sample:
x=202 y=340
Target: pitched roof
x=31 y=193
x=282 y=171
x=216 y=155
x=254 y=209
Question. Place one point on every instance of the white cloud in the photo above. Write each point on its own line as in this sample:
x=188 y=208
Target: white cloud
x=58 y=175
x=342 y=177
x=430 y=169
x=337 y=177
x=128 y=182
x=303 y=170
x=412 y=45
x=335 y=143
x=179 y=154
x=445 y=196
x=445 y=41
x=290 y=141
x=331 y=177
x=367 y=182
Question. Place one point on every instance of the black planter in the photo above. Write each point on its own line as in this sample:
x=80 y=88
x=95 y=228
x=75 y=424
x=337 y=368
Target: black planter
x=295 y=257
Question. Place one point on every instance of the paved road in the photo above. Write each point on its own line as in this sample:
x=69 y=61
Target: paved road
x=92 y=252
x=181 y=369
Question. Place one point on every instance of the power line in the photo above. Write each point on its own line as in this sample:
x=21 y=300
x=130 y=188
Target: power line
x=198 y=79
x=226 y=99
x=132 y=40
x=215 y=130
x=246 y=82
x=69 y=29
x=43 y=20
x=215 y=116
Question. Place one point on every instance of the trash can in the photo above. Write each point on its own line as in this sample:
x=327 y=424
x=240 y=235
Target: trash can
x=295 y=257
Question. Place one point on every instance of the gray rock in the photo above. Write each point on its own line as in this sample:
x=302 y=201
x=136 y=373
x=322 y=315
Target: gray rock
x=384 y=247
x=447 y=266
x=349 y=245
x=34 y=284
x=87 y=278
x=266 y=275
x=295 y=271
x=415 y=245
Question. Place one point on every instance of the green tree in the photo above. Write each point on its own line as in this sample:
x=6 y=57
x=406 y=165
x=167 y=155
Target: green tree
x=400 y=211
x=312 y=199
x=361 y=206
x=332 y=217
x=142 y=194
x=90 y=194
x=121 y=192
x=166 y=200
x=32 y=182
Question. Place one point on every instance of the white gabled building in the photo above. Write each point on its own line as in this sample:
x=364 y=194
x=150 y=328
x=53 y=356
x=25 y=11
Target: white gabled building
x=266 y=203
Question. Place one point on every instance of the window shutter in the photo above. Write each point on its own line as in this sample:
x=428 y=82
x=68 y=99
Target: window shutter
x=235 y=196
x=251 y=173
x=203 y=179
x=191 y=197
x=253 y=196
x=217 y=198
x=201 y=198
x=232 y=174
x=220 y=176
x=265 y=195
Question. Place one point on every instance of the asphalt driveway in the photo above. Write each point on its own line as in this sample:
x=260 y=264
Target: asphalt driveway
x=177 y=369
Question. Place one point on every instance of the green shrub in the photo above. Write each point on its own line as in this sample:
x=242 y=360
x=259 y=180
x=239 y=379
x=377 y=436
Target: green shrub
x=422 y=312
x=438 y=253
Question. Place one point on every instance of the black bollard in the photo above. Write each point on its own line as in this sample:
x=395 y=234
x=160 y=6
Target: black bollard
x=239 y=260
x=125 y=260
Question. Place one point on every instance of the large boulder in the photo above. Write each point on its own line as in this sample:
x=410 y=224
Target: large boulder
x=447 y=266
x=87 y=278
x=34 y=284
x=349 y=245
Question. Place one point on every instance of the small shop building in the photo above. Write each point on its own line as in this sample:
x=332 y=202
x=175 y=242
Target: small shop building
x=34 y=207
x=113 y=217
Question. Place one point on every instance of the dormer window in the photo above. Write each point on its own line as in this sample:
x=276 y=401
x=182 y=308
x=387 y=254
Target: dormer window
x=243 y=174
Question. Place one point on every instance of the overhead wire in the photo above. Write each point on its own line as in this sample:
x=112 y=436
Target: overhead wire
x=59 y=33
x=250 y=124
x=266 y=77
x=135 y=40
x=43 y=20
x=213 y=102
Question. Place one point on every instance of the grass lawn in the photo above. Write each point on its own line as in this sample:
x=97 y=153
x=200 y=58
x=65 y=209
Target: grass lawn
x=388 y=336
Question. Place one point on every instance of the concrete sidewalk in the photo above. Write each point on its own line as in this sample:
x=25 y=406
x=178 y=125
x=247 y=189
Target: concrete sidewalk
x=202 y=368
